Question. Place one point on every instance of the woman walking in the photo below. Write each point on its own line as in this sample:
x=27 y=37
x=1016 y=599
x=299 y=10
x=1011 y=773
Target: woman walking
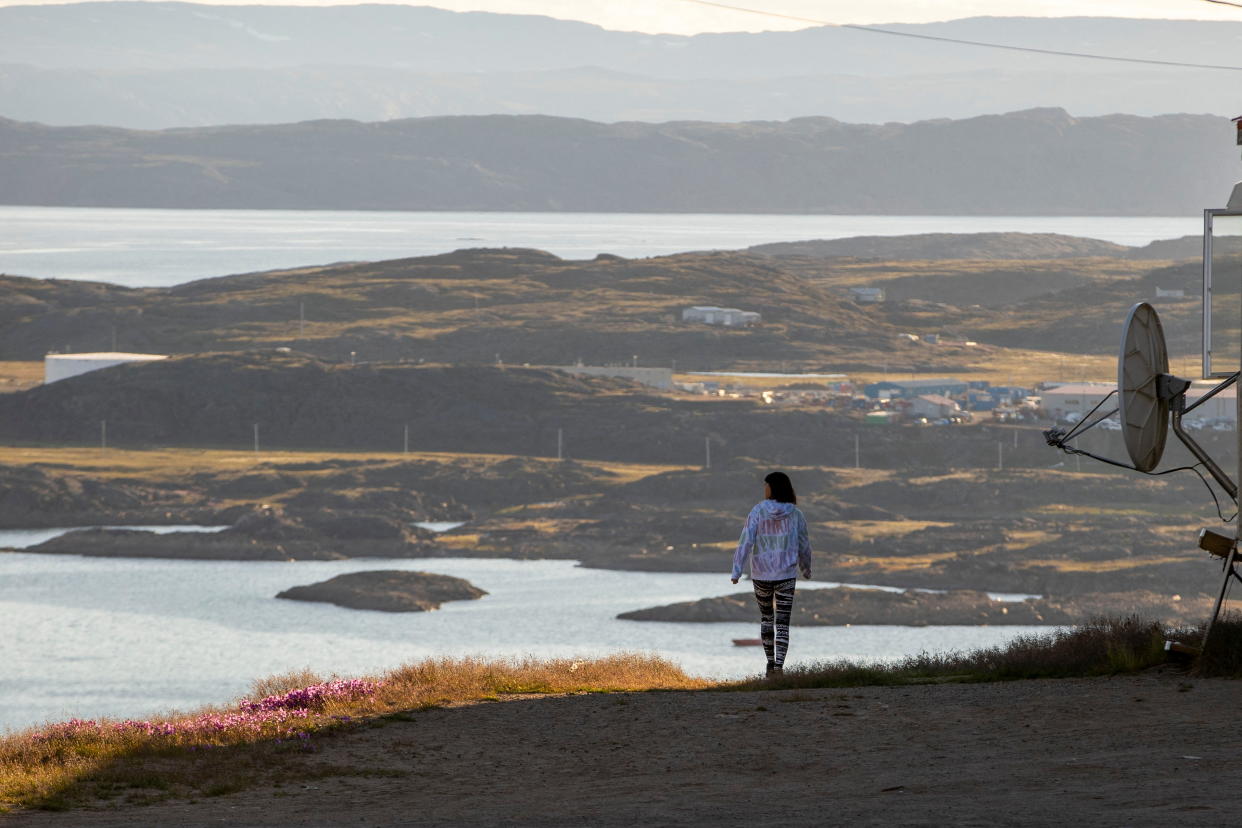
x=775 y=539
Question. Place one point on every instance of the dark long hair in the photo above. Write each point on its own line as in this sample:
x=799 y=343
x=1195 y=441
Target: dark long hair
x=782 y=488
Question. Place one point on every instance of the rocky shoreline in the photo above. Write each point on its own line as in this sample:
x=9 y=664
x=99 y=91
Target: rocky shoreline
x=264 y=535
x=843 y=606
x=387 y=590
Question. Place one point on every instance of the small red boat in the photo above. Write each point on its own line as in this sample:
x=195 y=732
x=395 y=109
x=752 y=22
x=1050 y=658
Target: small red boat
x=747 y=642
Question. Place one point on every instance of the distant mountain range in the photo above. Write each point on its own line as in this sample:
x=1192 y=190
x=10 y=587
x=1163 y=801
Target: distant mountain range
x=155 y=65
x=1024 y=163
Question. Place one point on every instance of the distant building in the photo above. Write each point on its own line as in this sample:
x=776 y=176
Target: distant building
x=1222 y=408
x=62 y=366
x=909 y=389
x=661 y=378
x=728 y=317
x=1075 y=398
x=867 y=295
x=933 y=406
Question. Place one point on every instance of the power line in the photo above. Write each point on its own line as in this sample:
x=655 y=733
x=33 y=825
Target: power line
x=1224 y=3
x=979 y=43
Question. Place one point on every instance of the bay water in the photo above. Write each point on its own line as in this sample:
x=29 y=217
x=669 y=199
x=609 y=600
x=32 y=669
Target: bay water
x=90 y=637
x=157 y=248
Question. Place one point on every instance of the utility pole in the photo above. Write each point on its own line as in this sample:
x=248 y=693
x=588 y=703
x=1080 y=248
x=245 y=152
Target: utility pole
x=560 y=444
x=857 y=454
x=707 y=452
x=405 y=448
x=256 y=438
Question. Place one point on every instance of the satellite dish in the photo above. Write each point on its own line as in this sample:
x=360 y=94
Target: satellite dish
x=1143 y=412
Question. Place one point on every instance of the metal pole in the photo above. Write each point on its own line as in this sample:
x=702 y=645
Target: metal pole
x=857 y=455
x=103 y=435
x=256 y=438
x=405 y=446
x=707 y=452
x=1230 y=559
x=560 y=444
x=1000 y=456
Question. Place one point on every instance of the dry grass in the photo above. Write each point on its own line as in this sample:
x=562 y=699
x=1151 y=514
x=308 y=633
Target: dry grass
x=176 y=463
x=864 y=530
x=1100 y=647
x=283 y=683
x=18 y=376
x=67 y=765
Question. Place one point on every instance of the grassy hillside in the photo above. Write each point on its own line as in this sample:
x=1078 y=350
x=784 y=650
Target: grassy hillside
x=1032 y=319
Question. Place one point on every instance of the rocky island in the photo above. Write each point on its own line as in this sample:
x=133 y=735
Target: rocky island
x=387 y=590
x=848 y=605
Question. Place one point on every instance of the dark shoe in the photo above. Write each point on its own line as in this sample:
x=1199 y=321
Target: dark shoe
x=771 y=668
x=776 y=670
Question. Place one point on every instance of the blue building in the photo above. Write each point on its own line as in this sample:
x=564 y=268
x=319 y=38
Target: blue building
x=909 y=389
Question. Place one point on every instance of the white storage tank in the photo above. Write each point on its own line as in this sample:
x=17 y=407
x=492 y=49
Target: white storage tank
x=60 y=366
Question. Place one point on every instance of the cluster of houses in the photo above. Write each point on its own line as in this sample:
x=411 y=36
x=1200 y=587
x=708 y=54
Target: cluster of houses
x=945 y=400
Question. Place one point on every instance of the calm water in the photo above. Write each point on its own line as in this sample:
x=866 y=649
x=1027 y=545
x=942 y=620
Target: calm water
x=129 y=637
x=166 y=247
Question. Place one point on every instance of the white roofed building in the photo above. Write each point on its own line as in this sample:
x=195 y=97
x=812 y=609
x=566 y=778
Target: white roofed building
x=933 y=406
x=728 y=317
x=62 y=366
x=1076 y=398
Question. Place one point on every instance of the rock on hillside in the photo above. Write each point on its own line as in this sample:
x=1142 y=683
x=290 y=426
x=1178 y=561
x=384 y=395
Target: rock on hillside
x=387 y=590
x=32 y=497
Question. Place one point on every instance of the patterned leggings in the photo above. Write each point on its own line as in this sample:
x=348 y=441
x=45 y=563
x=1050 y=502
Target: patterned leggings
x=775 y=598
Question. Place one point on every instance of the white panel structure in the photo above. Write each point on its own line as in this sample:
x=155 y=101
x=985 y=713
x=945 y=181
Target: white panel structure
x=62 y=366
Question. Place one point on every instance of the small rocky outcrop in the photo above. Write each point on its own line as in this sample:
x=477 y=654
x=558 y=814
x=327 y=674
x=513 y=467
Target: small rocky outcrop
x=387 y=590
x=847 y=605
x=265 y=534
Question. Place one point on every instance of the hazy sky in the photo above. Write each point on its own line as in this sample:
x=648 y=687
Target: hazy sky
x=686 y=18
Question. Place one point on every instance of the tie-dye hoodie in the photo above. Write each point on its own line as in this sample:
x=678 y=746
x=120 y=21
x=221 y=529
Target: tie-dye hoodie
x=776 y=532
